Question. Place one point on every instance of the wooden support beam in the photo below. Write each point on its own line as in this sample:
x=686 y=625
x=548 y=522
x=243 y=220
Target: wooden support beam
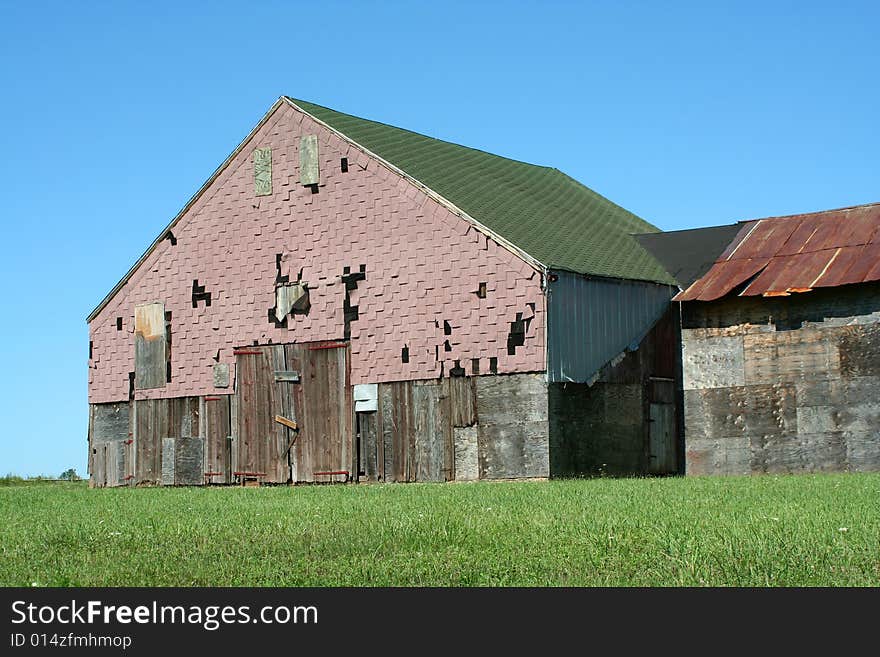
x=280 y=419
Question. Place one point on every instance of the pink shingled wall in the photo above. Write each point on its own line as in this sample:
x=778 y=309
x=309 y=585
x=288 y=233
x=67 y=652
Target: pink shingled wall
x=423 y=266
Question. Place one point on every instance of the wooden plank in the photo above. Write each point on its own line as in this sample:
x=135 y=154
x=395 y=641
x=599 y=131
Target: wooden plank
x=277 y=449
x=718 y=456
x=155 y=419
x=404 y=438
x=92 y=450
x=345 y=408
x=326 y=441
x=860 y=351
x=824 y=452
x=368 y=452
x=388 y=429
x=790 y=356
x=262 y=171
x=462 y=401
x=98 y=470
x=308 y=160
x=380 y=437
x=513 y=433
x=713 y=362
x=188 y=461
x=150 y=422
x=430 y=438
x=168 y=462
x=233 y=435
x=365 y=397
x=150 y=346
x=110 y=422
x=289 y=296
x=397 y=430
x=287 y=377
x=221 y=375
x=741 y=411
x=217 y=439
x=466 y=454
x=286 y=422
x=862 y=451
x=119 y=448
x=251 y=432
x=662 y=439
x=576 y=412
x=111 y=466
x=662 y=391
x=300 y=460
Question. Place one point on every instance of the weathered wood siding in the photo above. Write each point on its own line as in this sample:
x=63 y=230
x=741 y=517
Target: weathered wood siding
x=156 y=420
x=782 y=385
x=513 y=429
x=110 y=453
x=606 y=428
x=150 y=346
x=462 y=428
x=218 y=438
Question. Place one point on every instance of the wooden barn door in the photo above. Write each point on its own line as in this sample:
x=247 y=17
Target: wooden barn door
x=303 y=383
x=662 y=428
x=260 y=445
x=326 y=439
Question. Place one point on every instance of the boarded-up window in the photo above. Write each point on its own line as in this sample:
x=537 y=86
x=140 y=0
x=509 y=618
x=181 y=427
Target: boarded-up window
x=308 y=160
x=150 y=346
x=263 y=171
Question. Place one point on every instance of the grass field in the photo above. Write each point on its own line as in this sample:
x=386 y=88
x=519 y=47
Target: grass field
x=786 y=530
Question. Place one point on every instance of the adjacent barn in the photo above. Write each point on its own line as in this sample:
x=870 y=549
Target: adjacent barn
x=348 y=301
x=780 y=325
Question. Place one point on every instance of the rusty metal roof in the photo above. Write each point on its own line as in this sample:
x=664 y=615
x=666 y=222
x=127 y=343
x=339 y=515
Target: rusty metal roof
x=779 y=256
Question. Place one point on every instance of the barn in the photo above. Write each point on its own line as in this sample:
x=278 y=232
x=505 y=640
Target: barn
x=780 y=326
x=344 y=300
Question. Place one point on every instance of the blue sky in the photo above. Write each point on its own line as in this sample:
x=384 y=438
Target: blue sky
x=113 y=114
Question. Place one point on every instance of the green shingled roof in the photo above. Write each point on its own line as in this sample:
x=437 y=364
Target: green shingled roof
x=552 y=217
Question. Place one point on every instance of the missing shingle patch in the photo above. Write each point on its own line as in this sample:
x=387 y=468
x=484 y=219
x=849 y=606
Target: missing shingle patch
x=199 y=294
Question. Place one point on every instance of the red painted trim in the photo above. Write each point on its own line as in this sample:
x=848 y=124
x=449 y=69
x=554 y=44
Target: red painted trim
x=246 y=352
x=213 y=398
x=337 y=345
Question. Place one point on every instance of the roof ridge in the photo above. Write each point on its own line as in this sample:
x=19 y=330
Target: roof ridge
x=845 y=208
x=421 y=134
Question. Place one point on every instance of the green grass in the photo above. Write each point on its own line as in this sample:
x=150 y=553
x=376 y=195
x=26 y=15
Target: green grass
x=757 y=531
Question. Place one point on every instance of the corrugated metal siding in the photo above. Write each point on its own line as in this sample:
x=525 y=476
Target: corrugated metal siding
x=591 y=320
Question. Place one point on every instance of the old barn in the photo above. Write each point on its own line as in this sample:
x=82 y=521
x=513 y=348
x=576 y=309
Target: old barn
x=346 y=300
x=780 y=333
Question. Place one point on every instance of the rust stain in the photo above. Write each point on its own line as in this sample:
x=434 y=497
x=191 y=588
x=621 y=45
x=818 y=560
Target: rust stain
x=781 y=255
